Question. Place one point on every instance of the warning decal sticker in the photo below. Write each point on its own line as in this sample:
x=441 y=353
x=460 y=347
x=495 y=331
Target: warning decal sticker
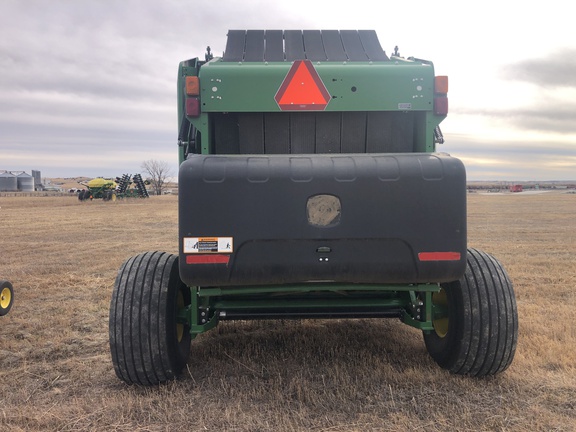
x=204 y=245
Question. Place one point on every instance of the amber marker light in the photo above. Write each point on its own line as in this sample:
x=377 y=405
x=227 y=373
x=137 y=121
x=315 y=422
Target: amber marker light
x=441 y=85
x=192 y=86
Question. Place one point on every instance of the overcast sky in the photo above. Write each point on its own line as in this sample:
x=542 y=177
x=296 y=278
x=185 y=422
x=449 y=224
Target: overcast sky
x=88 y=87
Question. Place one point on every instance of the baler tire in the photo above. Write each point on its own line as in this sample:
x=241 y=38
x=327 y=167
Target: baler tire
x=482 y=331
x=6 y=297
x=147 y=344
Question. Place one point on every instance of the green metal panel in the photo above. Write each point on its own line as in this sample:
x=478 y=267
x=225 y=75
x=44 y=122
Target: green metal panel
x=354 y=86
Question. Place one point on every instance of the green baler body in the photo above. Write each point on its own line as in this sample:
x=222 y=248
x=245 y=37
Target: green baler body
x=239 y=144
x=310 y=187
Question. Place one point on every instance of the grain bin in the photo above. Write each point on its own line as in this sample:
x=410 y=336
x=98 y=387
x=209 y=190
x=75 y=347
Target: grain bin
x=37 y=180
x=25 y=182
x=8 y=182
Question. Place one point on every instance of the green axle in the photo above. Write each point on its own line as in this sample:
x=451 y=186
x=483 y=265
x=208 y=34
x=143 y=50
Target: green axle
x=411 y=303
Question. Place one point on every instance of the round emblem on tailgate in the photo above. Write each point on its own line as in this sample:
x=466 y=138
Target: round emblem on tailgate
x=323 y=210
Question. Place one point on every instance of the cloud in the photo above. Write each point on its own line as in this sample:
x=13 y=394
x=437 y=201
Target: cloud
x=531 y=95
x=548 y=115
x=90 y=86
x=554 y=70
x=536 y=95
x=487 y=158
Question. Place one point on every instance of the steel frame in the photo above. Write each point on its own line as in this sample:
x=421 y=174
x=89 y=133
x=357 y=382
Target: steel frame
x=412 y=304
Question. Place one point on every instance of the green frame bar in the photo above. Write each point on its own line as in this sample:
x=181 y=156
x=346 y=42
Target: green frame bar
x=211 y=300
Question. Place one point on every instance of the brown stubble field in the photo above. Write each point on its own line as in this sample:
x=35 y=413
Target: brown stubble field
x=56 y=374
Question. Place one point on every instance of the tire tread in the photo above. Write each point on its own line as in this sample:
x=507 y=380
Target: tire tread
x=484 y=317
x=141 y=324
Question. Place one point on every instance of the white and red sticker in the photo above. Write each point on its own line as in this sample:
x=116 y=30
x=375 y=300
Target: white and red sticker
x=207 y=245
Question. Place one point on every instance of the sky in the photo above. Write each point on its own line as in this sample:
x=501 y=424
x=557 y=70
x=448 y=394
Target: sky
x=88 y=87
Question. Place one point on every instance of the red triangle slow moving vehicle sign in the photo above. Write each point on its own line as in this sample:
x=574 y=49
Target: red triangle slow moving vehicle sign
x=302 y=89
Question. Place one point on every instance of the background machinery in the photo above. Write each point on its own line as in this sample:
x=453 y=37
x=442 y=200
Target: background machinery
x=6 y=297
x=109 y=190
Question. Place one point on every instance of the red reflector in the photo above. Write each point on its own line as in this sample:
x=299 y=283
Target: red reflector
x=192 y=107
x=441 y=105
x=207 y=259
x=439 y=256
x=302 y=89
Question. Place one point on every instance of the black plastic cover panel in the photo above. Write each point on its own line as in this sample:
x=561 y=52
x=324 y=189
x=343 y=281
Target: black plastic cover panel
x=315 y=45
x=355 y=218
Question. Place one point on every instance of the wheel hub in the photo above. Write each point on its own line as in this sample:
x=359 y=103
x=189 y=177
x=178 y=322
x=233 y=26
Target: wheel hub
x=5 y=298
x=440 y=321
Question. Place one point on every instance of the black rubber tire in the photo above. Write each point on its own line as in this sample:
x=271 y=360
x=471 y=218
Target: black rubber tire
x=81 y=195
x=482 y=331
x=144 y=343
x=6 y=297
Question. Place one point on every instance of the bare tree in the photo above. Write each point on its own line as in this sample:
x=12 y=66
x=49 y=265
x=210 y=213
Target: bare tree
x=158 y=172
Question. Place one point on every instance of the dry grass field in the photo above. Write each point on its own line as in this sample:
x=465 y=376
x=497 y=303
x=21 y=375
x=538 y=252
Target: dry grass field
x=56 y=374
